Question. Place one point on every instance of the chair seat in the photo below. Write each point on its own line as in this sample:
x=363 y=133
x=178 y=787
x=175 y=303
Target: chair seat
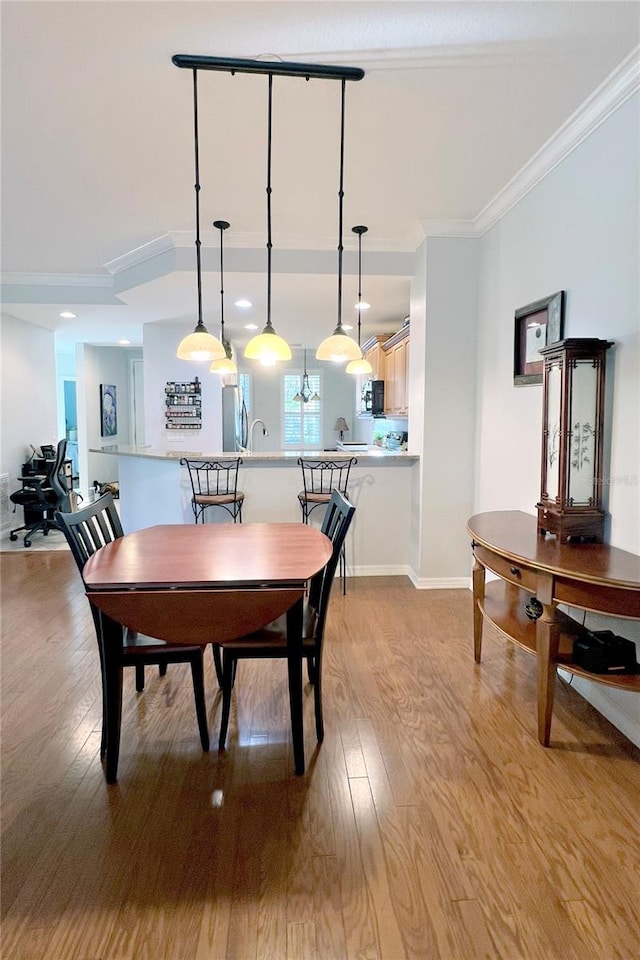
x=314 y=497
x=274 y=636
x=139 y=643
x=212 y=498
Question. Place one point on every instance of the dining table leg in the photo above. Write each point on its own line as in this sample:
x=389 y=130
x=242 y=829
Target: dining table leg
x=294 y=666
x=111 y=638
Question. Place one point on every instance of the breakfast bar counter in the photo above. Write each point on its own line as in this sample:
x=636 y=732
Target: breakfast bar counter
x=155 y=488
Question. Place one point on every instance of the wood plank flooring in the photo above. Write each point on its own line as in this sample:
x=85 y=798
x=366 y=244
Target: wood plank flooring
x=430 y=825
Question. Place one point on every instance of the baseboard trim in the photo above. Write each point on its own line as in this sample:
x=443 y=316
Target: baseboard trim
x=440 y=583
x=382 y=570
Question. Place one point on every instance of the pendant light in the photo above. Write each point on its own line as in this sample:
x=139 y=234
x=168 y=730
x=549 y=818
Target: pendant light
x=199 y=345
x=339 y=347
x=362 y=366
x=268 y=347
x=226 y=365
x=304 y=395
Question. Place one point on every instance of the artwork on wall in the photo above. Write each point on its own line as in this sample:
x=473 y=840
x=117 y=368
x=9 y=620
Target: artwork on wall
x=109 y=408
x=536 y=325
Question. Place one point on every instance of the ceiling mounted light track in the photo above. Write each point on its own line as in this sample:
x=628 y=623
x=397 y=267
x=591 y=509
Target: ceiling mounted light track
x=226 y=365
x=362 y=366
x=268 y=347
x=199 y=345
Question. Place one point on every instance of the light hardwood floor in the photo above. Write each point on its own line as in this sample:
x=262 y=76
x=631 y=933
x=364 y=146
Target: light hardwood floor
x=430 y=824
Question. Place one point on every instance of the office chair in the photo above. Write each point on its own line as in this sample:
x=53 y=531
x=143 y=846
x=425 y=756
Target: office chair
x=41 y=496
x=319 y=479
x=271 y=642
x=214 y=483
x=86 y=531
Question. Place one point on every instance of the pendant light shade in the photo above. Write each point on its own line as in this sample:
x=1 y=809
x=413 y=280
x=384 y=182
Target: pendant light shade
x=268 y=347
x=360 y=367
x=200 y=345
x=225 y=365
x=340 y=347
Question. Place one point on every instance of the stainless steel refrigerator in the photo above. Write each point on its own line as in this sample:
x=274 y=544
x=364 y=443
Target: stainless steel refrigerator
x=234 y=420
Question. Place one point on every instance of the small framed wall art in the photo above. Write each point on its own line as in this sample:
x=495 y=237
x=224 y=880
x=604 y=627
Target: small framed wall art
x=109 y=409
x=536 y=325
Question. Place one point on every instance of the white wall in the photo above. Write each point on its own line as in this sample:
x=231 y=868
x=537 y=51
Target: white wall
x=28 y=395
x=160 y=341
x=96 y=366
x=442 y=363
x=577 y=230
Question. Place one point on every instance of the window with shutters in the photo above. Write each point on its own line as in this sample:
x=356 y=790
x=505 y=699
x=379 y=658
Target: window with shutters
x=302 y=422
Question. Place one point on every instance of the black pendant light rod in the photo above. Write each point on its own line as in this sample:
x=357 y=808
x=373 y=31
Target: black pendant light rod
x=340 y=199
x=221 y=225
x=197 y=192
x=272 y=68
x=359 y=230
x=269 y=244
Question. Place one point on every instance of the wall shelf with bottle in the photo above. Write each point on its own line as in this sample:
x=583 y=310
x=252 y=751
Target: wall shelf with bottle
x=183 y=403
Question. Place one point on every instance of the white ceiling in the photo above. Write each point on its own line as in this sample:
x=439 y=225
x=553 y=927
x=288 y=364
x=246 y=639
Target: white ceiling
x=97 y=148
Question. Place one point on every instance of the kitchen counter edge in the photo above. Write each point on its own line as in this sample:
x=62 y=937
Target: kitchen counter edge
x=286 y=456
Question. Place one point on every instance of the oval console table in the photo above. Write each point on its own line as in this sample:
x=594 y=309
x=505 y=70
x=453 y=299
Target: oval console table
x=593 y=577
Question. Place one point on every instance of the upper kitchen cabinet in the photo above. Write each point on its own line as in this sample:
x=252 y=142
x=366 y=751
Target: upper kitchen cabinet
x=372 y=350
x=396 y=373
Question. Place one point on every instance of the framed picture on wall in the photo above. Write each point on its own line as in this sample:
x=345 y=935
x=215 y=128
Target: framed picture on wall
x=536 y=325
x=109 y=410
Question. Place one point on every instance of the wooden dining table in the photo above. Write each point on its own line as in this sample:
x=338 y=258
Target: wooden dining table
x=206 y=583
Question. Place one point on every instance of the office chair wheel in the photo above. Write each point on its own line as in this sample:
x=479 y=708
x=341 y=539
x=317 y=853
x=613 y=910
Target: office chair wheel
x=13 y=536
x=27 y=543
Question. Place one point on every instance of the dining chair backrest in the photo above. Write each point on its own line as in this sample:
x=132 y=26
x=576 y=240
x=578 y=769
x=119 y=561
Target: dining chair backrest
x=335 y=525
x=321 y=477
x=89 y=529
x=213 y=478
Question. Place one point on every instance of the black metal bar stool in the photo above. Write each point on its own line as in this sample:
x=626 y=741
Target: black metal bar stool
x=320 y=478
x=215 y=484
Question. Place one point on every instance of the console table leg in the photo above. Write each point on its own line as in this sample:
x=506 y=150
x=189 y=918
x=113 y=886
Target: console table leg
x=478 y=597
x=547 y=638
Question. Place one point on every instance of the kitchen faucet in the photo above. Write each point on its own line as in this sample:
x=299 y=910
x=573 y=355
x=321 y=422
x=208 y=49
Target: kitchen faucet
x=265 y=432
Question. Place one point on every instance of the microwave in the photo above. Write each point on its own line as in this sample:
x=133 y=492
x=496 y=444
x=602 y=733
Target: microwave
x=373 y=397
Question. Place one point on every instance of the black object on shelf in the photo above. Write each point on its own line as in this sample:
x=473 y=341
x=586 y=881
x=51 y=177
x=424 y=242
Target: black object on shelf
x=601 y=651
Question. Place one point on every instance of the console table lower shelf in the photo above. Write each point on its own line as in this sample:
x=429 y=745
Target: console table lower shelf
x=592 y=577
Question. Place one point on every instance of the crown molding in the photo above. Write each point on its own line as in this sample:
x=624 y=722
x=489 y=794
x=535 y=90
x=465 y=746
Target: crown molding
x=621 y=84
x=147 y=251
x=56 y=280
x=449 y=228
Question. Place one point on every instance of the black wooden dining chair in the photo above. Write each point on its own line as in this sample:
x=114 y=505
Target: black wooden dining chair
x=214 y=483
x=319 y=479
x=86 y=531
x=271 y=642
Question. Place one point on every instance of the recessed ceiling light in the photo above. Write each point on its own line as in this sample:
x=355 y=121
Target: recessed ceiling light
x=124 y=343
x=67 y=315
x=245 y=304
x=251 y=326
x=363 y=305
x=347 y=326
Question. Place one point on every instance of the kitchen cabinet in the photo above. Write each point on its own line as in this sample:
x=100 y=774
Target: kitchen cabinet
x=396 y=373
x=372 y=350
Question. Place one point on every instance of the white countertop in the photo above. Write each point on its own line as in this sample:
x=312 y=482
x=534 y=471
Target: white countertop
x=371 y=455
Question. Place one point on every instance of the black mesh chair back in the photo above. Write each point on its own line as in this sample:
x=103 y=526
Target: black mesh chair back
x=214 y=483
x=86 y=531
x=42 y=496
x=272 y=641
